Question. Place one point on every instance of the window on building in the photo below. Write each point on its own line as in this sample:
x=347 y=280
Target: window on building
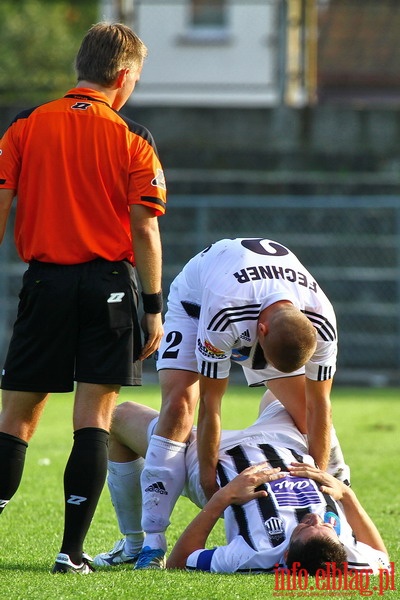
x=208 y=13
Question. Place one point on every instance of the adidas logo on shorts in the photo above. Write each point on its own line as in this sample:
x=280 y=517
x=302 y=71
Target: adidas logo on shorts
x=245 y=336
x=157 y=487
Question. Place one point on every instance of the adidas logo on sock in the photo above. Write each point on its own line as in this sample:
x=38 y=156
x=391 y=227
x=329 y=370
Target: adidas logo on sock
x=157 y=487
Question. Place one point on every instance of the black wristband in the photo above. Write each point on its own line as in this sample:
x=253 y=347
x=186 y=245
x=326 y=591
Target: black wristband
x=152 y=303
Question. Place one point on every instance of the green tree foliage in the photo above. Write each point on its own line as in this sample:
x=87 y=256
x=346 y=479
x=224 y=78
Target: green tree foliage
x=39 y=40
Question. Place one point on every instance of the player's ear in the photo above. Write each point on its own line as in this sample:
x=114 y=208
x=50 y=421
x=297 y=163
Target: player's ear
x=121 y=78
x=262 y=329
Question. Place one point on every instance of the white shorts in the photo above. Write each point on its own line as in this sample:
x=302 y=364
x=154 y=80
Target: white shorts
x=274 y=426
x=180 y=338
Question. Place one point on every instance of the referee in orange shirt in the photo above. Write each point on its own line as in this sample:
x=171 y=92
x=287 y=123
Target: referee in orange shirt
x=90 y=189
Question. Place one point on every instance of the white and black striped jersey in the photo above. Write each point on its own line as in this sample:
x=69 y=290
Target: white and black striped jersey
x=258 y=532
x=227 y=286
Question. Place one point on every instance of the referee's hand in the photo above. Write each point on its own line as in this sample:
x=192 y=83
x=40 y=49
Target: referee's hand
x=152 y=326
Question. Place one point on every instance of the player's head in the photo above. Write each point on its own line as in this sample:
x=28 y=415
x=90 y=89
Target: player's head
x=107 y=49
x=287 y=337
x=313 y=544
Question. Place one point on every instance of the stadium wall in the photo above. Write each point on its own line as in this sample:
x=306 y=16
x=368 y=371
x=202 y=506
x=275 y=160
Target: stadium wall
x=325 y=181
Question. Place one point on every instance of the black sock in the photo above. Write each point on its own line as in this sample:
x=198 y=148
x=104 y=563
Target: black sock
x=12 y=460
x=84 y=479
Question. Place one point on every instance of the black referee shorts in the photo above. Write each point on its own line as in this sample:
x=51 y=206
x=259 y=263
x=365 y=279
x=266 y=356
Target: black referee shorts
x=75 y=322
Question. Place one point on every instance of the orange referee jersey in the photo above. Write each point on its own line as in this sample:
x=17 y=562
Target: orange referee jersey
x=76 y=165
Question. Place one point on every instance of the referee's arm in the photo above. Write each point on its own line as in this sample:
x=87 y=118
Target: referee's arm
x=6 y=198
x=147 y=252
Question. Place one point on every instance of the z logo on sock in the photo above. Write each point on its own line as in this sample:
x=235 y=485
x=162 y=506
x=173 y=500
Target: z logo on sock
x=76 y=499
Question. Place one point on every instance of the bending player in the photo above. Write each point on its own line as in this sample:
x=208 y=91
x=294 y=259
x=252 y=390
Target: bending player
x=252 y=302
x=275 y=511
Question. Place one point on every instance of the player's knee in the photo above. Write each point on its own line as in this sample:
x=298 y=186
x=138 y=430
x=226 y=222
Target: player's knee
x=177 y=407
x=123 y=413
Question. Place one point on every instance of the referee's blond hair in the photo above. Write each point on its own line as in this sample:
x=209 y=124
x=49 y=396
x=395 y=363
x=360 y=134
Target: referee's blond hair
x=106 y=49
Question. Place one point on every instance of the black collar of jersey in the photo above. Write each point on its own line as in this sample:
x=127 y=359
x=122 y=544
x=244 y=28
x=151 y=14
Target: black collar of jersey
x=84 y=97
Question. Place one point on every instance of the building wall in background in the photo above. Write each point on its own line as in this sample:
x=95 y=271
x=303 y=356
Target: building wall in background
x=261 y=53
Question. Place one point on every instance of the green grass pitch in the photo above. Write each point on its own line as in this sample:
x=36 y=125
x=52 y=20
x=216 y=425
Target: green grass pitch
x=368 y=425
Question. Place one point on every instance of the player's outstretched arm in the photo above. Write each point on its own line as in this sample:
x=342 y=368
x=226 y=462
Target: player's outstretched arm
x=209 y=431
x=361 y=523
x=319 y=420
x=240 y=490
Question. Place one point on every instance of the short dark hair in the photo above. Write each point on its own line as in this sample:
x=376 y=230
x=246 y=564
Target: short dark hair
x=315 y=553
x=105 y=50
x=291 y=339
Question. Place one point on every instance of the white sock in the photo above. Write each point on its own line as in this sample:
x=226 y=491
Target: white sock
x=126 y=496
x=133 y=543
x=155 y=540
x=162 y=481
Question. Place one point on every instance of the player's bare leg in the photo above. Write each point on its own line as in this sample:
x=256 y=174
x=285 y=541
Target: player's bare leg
x=128 y=439
x=21 y=412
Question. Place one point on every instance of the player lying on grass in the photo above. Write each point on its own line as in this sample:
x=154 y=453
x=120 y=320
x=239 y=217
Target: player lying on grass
x=278 y=508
